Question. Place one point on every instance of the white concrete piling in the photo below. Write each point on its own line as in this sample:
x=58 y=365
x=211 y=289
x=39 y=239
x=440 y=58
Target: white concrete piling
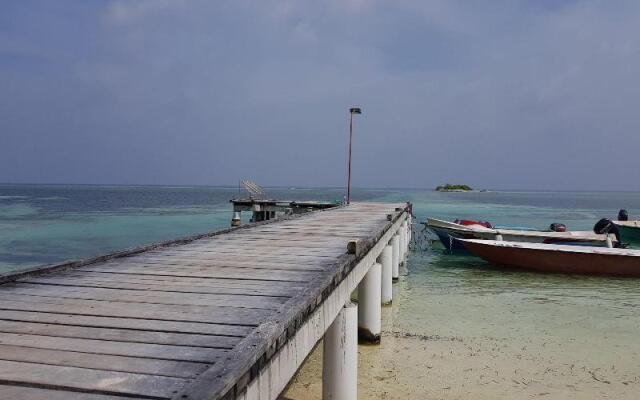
x=395 y=257
x=236 y=220
x=400 y=246
x=403 y=242
x=369 y=305
x=340 y=357
x=385 y=259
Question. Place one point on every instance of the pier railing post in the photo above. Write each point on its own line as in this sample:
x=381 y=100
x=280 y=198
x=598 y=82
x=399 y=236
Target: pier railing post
x=395 y=257
x=385 y=259
x=369 y=305
x=340 y=357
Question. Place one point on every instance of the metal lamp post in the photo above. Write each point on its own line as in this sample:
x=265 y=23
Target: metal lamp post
x=352 y=111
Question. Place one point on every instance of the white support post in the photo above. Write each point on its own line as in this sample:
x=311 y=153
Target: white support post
x=369 y=305
x=407 y=231
x=385 y=259
x=395 y=259
x=340 y=357
x=405 y=226
x=403 y=242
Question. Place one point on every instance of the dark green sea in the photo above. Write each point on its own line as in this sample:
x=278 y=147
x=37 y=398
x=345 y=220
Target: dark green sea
x=458 y=328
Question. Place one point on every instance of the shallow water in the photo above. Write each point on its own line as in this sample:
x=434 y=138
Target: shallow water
x=459 y=328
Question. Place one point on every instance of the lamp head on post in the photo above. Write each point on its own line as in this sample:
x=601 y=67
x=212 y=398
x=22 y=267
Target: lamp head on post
x=352 y=111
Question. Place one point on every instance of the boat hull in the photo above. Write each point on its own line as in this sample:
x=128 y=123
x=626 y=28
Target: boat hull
x=450 y=241
x=550 y=258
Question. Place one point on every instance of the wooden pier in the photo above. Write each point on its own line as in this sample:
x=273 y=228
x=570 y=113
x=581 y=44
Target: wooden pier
x=226 y=315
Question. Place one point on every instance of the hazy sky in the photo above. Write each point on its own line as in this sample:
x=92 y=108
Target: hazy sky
x=499 y=94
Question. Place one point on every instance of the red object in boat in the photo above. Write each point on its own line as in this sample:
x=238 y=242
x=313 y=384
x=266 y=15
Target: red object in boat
x=469 y=222
x=557 y=258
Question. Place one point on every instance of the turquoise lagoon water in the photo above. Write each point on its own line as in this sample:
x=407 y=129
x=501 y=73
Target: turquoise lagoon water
x=458 y=328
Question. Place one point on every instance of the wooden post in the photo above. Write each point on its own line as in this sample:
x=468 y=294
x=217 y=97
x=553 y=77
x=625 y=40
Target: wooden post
x=369 y=305
x=395 y=257
x=340 y=357
x=385 y=259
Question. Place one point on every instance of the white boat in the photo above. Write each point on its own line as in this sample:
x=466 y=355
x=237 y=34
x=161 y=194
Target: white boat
x=448 y=232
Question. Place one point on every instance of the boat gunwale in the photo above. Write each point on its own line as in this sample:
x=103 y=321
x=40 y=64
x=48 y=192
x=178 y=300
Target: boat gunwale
x=635 y=224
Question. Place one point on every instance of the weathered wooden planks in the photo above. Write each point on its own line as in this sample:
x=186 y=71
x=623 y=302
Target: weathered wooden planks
x=151 y=322
x=170 y=284
x=106 y=382
x=149 y=366
x=33 y=393
x=114 y=348
x=216 y=315
x=139 y=323
x=204 y=272
x=127 y=295
x=115 y=334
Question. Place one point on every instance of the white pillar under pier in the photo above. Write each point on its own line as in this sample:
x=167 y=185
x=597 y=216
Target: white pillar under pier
x=236 y=220
x=395 y=257
x=403 y=242
x=407 y=238
x=340 y=358
x=385 y=259
x=369 y=309
x=408 y=232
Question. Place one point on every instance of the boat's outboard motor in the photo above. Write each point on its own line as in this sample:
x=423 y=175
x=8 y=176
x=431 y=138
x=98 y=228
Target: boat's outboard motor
x=606 y=226
x=623 y=215
x=557 y=227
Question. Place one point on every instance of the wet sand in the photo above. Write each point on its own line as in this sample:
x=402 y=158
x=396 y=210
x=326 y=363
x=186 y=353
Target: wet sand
x=495 y=336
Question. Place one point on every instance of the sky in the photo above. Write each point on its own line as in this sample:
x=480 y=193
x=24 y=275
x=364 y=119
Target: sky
x=539 y=95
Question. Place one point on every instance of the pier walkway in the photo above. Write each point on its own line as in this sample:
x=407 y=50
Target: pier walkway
x=225 y=315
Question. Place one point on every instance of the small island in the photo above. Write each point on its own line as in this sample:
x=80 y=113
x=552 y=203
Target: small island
x=453 y=188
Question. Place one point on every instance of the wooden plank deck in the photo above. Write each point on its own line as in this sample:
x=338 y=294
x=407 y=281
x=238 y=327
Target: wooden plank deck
x=194 y=319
